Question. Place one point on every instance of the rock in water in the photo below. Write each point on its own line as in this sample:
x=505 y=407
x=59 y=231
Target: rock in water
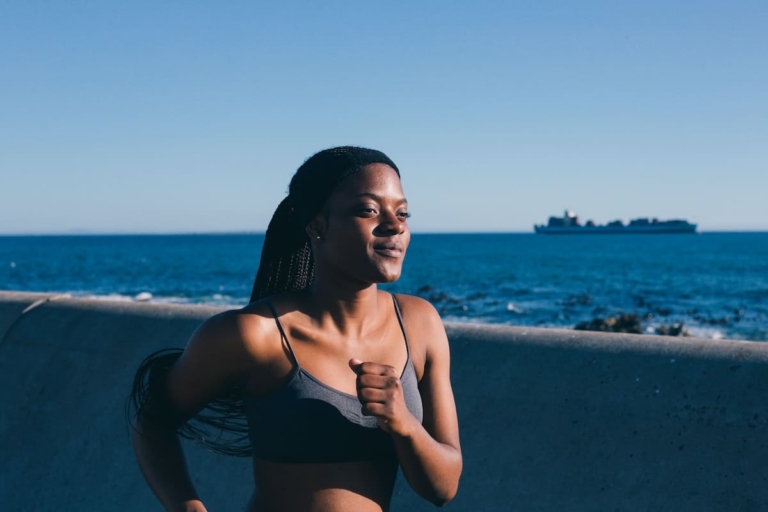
x=672 y=330
x=621 y=323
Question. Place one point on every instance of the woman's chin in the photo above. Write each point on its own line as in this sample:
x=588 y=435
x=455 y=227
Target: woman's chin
x=390 y=279
x=387 y=273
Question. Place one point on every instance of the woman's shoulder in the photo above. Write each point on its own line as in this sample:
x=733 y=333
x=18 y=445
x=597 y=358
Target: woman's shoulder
x=422 y=324
x=249 y=330
x=418 y=308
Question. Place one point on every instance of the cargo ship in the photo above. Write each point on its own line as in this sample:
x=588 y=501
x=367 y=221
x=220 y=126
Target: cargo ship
x=569 y=224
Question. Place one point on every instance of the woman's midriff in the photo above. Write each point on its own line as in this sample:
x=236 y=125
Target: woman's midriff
x=364 y=486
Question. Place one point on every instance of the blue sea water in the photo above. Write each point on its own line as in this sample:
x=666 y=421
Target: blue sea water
x=716 y=284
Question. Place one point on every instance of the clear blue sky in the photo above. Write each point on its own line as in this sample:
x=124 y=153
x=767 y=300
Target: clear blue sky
x=192 y=116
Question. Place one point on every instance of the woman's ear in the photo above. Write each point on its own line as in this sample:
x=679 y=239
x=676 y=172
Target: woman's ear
x=316 y=228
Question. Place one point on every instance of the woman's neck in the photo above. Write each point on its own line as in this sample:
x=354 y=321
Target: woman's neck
x=351 y=310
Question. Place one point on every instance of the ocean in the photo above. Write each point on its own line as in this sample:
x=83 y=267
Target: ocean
x=715 y=284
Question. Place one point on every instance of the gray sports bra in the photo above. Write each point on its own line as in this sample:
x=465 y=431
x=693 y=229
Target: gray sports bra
x=305 y=420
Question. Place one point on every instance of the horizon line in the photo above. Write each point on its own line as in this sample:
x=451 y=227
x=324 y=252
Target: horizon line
x=256 y=232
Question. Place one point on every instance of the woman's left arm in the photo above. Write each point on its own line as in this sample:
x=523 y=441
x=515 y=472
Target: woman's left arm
x=429 y=452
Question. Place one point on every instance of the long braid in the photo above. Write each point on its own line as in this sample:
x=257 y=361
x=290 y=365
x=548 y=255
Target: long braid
x=286 y=257
x=286 y=264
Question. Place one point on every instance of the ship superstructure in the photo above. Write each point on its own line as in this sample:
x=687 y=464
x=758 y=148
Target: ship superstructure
x=570 y=223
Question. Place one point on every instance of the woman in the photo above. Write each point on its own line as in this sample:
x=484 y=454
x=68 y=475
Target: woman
x=340 y=382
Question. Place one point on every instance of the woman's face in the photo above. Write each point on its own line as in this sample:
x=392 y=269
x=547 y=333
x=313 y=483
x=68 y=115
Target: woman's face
x=363 y=229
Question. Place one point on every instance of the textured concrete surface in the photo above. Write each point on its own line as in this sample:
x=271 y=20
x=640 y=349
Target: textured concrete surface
x=551 y=420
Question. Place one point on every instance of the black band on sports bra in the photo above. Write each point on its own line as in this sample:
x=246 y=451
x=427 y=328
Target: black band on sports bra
x=402 y=326
x=282 y=331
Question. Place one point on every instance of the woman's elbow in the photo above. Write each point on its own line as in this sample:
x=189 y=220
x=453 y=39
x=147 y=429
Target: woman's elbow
x=443 y=496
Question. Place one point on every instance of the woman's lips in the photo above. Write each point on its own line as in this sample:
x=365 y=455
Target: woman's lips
x=389 y=249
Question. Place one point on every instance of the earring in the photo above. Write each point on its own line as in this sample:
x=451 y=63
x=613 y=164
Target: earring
x=317 y=237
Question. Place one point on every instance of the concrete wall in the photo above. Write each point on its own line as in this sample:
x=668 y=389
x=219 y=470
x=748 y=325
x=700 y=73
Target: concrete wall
x=551 y=420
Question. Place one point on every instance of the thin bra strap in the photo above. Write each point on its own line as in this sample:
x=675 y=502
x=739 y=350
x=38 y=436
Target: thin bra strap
x=282 y=331
x=402 y=326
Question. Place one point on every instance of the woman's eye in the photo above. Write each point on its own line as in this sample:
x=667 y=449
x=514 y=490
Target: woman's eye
x=403 y=215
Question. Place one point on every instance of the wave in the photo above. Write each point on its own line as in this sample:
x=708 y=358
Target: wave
x=215 y=299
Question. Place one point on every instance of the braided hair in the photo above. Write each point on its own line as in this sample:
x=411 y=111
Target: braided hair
x=286 y=264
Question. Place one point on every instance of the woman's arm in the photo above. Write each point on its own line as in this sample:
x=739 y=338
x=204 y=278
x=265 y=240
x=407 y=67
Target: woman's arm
x=429 y=452
x=215 y=359
x=162 y=463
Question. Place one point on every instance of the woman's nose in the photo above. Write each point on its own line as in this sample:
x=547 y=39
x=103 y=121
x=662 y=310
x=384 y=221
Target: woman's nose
x=391 y=223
